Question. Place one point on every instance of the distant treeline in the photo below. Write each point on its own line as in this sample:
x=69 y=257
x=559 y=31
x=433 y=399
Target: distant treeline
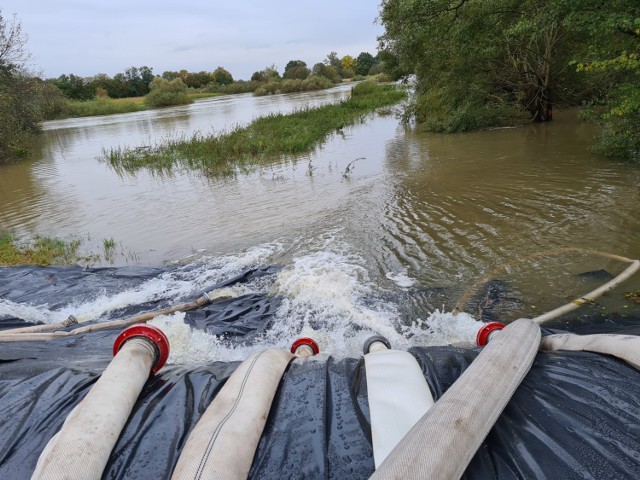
x=136 y=81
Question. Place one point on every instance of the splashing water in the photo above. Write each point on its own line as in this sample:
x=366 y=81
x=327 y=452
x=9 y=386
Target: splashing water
x=325 y=294
x=174 y=285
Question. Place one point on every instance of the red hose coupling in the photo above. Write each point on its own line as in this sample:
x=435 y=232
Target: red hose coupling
x=309 y=342
x=482 y=338
x=154 y=334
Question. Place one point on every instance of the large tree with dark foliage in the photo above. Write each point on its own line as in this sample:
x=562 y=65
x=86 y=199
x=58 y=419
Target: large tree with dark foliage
x=481 y=63
x=24 y=98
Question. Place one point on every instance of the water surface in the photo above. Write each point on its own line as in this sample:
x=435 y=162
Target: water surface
x=376 y=229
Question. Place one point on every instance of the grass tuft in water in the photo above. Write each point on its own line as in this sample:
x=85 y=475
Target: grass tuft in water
x=264 y=140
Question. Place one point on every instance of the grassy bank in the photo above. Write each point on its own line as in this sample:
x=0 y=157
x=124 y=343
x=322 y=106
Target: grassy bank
x=263 y=140
x=46 y=251
x=102 y=106
x=110 y=106
x=41 y=251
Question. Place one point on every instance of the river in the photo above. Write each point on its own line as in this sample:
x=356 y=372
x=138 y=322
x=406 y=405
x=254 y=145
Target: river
x=379 y=228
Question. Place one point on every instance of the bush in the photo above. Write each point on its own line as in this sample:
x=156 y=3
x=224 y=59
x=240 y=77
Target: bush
x=621 y=134
x=238 y=87
x=98 y=106
x=317 y=83
x=291 y=86
x=299 y=72
x=383 y=78
x=364 y=88
x=440 y=111
x=24 y=101
x=165 y=93
x=268 y=88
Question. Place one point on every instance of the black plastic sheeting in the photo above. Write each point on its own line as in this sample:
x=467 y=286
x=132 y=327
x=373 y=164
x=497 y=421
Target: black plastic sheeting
x=576 y=415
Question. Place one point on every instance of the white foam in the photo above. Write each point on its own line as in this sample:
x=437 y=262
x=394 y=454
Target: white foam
x=189 y=346
x=30 y=313
x=401 y=279
x=442 y=328
x=175 y=286
x=325 y=294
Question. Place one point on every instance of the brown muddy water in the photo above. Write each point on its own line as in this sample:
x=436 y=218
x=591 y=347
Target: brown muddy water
x=380 y=213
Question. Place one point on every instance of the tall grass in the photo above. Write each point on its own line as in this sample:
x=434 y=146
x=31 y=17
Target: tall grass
x=110 y=106
x=295 y=85
x=40 y=251
x=263 y=140
x=100 y=106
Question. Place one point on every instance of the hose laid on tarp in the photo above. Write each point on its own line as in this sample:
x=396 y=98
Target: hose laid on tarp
x=45 y=327
x=442 y=443
x=591 y=296
x=223 y=442
x=37 y=332
x=624 y=347
x=398 y=396
x=82 y=447
x=574 y=304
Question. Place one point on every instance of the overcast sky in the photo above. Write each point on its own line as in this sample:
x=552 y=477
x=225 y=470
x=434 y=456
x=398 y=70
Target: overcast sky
x=86 y=37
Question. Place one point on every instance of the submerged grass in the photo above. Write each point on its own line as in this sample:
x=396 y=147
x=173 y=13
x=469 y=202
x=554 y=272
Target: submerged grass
x=263 y=140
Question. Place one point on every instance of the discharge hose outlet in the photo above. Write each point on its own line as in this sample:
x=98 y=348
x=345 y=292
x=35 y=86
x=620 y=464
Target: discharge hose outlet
x=151 y=334
x=487 y=331
x=83 y=445
x=376 y=344
x=305 y=347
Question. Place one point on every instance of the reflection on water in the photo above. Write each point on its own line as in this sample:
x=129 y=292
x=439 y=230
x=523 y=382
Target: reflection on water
x=420 y=211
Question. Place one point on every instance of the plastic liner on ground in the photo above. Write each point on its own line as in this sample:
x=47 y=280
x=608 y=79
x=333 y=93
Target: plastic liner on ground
x=576 y=414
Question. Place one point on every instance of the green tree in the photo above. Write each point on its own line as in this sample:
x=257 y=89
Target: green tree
x=137 y=81
x=612 y=63
x=74 y=87
x=269 y=74
x=478 y=63
x=222 y=76
x=326 y=71
x=24 y=98
x=296 y=70
x=169 y=75
x=292 y=64
x=164 y=93
x=198 y=79
x=333 y=60
x=104 y=82
x=364 y=62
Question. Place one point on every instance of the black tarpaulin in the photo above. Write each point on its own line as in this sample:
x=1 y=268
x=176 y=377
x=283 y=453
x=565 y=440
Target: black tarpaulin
x=576 y=414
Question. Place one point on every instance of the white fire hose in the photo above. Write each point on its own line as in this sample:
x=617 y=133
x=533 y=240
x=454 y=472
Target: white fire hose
x=82 y=447
x=445 y=439
x=398 y=394
x=223 y=442
x=623 y=347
